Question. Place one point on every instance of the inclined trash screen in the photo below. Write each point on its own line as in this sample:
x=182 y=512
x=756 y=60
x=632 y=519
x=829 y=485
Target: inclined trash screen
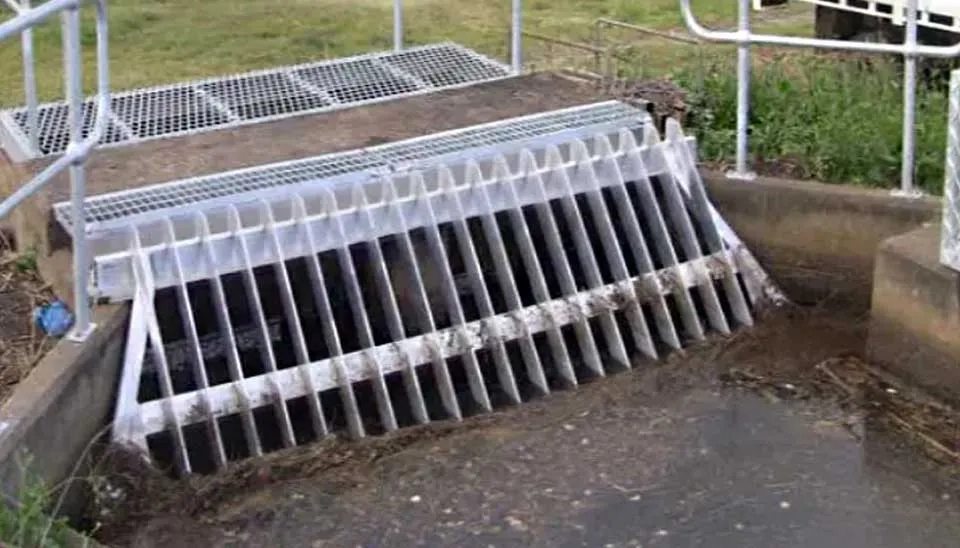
x=433 y=292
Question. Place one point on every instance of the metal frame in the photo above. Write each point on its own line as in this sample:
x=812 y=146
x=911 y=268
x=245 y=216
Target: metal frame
x=395 y=204
x=743 y=37
x=20 y=150
x=236 y=100
x=106 y=212
x=74 y=159
x=926 y=13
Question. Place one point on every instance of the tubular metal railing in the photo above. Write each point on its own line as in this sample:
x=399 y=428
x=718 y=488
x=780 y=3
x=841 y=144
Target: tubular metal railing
x=75 y=157
x=516 y=36
x=910 y=50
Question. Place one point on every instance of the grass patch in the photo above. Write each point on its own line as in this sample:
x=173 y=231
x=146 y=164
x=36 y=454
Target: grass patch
x=25 y=522
x=830 y=120
x=834 y=121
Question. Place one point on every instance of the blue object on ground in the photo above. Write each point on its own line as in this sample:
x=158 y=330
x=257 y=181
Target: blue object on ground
x=53 y=318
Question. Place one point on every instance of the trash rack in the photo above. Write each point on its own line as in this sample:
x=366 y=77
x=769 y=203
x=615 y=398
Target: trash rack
x=416 y=288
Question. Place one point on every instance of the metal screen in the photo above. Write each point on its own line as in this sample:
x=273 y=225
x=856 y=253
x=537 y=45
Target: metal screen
x=426 y=295
x=253 y=97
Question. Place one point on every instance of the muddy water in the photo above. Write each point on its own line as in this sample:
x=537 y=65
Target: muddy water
x=715 y=467
x=664 y=455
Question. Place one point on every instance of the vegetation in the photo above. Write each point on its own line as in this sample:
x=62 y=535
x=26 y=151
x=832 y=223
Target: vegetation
x=24 y=522
x=832 y=120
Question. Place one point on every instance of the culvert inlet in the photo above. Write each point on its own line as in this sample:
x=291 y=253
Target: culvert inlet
x=432 y=291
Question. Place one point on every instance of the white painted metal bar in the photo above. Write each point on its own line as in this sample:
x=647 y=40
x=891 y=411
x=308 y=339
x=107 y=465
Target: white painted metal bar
x=950 y=237
x=453 y=341
x=80 y=146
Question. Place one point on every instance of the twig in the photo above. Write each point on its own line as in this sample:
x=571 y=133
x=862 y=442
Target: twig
x=933 y=442
x=837 y=380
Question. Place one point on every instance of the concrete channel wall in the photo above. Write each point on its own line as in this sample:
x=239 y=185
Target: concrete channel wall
x=818 y=241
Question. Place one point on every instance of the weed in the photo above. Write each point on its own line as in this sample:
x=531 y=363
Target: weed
x=26 y=263
x=24 y=521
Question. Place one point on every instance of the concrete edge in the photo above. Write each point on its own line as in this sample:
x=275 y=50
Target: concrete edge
x=55 y=412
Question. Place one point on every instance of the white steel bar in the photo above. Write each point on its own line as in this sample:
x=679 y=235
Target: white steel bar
x=950 y=238
x=516 y=36
x=686 y=172
x=742 y=170
x=361 y=319
x=589 y=352
x=173 y=421
x=30 y=84
x=112 y=270
x=608 y=240
x=508 y=285
x=255 y=305
x=196 y=356
x=907 y=165
x=453 y=341
x=398 y=25
x=480 y=291
x=410 y=282
x=634 y=234
x=319 y=294
x=636 y=171
x=238 y=389
x=441 y=262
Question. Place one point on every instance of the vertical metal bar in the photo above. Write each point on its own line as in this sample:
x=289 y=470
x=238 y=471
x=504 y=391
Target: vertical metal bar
x=516 y=36
x=74 y=91
x=742 y=170
x=196 y=354
x=397 y=25
x=255 y=305
x=909 y=102
x=950 y=238
x=30 y=85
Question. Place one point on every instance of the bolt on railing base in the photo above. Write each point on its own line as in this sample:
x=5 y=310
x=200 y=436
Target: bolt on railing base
x=741 y=175
x=81 y=335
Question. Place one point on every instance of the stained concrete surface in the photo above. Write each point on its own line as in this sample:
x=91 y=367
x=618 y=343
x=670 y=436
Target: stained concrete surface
x=714 y=468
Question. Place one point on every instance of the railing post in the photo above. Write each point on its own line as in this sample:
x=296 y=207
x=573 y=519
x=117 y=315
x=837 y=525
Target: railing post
x=908 y=172
x=397 y=25
x=30 y=85
x=742 y=168
x=73 y=83
x=516 y=36
x=950 y=236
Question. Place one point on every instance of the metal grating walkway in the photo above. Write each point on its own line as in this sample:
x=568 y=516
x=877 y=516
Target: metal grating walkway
x=141 y=205
x=254 y=97
x=426 y=295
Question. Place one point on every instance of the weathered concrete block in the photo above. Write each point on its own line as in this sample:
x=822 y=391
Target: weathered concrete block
x=915 y=317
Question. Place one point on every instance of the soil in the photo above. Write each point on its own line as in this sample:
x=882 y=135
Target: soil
x=22 y=344
x=796 y=354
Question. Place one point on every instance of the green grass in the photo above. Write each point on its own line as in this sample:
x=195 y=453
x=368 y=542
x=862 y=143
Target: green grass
x=26 y=522
x=829 y=121
x=832 y=121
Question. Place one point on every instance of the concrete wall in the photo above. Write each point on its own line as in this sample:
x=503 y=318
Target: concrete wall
x=818 y=241
x=63 y=404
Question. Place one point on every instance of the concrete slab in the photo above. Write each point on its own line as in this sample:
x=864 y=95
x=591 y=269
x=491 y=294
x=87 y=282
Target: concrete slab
x=817 y=240
x=915 y=316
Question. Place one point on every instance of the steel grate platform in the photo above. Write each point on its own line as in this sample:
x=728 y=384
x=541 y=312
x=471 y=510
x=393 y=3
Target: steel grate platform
x=121 y=209
x=260 y=96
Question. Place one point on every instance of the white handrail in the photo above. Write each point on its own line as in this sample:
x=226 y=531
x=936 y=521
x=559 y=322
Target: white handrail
x=79 y=148
x=910 y=50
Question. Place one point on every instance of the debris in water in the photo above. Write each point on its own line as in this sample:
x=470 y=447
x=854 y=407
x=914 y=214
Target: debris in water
x=415 y=499
x=785 y=504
